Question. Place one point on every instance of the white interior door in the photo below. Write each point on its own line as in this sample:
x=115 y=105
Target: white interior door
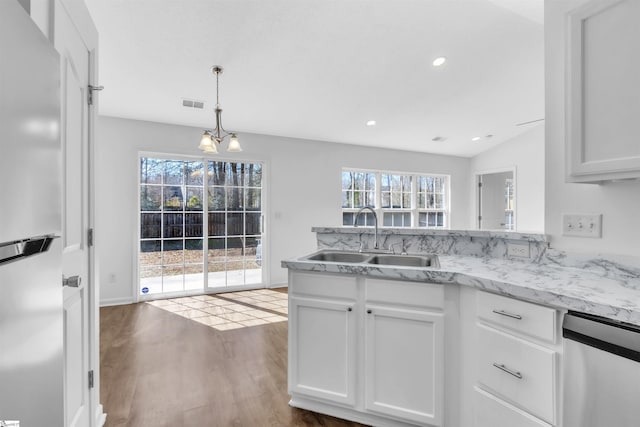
x=74 y=59
x=496 y=196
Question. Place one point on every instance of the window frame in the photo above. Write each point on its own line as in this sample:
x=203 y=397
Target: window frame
x=414 y=210
x=263 y=228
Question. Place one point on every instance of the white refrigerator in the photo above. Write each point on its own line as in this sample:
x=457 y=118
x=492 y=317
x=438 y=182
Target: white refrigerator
x=31 y=317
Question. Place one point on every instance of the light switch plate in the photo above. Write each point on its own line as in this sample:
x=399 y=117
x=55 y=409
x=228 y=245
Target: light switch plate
x=582 y=225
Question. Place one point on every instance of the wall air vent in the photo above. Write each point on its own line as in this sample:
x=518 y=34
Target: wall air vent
x=190 y=103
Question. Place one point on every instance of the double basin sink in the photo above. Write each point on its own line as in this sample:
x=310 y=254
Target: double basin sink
x=391 y=260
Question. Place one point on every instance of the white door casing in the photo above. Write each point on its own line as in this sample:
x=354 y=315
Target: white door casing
x=76 y=59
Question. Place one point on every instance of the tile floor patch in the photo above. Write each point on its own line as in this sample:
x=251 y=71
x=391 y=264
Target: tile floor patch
x=231 y=310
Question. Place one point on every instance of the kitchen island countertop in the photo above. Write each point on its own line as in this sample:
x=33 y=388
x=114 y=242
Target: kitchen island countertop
x=597 y=287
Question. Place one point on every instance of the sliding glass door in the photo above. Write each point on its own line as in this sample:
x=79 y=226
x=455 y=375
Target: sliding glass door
x=234 y=220
x=176 y=196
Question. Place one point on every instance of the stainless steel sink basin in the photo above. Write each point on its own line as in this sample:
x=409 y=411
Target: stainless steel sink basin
x=347 y=257
x=406 y=260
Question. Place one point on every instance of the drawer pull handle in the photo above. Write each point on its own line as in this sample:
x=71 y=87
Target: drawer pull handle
x=518 y=375
x=504 y=313
x=349 y=309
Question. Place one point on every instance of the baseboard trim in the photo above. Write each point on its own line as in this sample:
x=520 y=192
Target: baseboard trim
x=115 y=301
x=278 y=285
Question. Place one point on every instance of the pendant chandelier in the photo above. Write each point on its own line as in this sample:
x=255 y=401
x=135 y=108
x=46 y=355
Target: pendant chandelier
x=218 y=133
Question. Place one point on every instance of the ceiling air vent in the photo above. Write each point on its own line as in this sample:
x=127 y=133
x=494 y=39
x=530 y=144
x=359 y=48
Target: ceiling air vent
x=190 y=103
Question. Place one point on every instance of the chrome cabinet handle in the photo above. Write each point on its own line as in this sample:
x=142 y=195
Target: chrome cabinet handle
x=516 y=374
x=504 y=313
x=72 y=282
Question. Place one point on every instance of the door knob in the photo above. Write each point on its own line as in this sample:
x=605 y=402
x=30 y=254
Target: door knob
x=72 y=282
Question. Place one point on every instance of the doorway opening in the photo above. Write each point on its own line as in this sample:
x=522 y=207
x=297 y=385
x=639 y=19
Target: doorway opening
x=496 y=200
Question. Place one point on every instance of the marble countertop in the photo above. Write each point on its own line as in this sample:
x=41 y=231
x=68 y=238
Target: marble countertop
x=382 y=231
x=599 y=289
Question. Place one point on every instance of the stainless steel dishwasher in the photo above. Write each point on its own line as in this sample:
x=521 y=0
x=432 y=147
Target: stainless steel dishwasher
x=601 y=372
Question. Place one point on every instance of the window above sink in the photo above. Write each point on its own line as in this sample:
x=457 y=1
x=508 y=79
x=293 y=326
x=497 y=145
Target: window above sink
x=400 y=199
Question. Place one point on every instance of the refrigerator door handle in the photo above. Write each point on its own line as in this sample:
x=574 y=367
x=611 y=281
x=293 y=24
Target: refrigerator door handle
x=72 y=282
x=11 y=251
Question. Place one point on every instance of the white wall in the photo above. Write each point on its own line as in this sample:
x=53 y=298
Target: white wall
x=619 y=202
x=303 y=190
x=526 y=153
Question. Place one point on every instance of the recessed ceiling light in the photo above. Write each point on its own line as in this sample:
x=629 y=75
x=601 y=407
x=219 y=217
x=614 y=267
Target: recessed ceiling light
x=371 y=123
x=439 y=61
x=476 y=138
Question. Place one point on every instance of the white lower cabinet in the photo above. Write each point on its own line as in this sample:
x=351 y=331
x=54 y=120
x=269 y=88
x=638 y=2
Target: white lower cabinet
x=516 y=363
x=357 y=353
x=324 y=348
x=404 y=363
x=374 y=351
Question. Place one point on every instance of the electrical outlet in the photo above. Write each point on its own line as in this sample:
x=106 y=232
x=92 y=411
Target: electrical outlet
x=582 y=225
x=518 y=250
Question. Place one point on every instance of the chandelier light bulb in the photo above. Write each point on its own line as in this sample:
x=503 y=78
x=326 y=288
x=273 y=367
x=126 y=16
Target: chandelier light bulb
x=234 y=144
x=205 y=141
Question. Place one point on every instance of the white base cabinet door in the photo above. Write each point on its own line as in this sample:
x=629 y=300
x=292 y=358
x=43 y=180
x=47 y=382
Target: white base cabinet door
x=323 y=346
x=404 y=364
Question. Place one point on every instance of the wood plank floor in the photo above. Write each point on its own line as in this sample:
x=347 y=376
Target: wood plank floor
x=161 y=369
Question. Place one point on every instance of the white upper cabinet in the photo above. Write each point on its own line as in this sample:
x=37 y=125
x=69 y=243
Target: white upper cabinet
x=603 y=91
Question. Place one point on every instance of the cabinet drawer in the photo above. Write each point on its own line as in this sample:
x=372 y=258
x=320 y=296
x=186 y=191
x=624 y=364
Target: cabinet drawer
x=523 y=317
x=492 y=412
x=323 y=285
x=424 y=295
x=518 y=371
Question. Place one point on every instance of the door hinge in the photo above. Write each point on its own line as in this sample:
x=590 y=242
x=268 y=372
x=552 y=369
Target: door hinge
x=479 y=217
x=90 y=237
x=479 y=185
x=91 y=378
x=90 y=93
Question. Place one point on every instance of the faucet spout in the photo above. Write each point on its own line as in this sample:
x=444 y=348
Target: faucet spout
x=375 y=223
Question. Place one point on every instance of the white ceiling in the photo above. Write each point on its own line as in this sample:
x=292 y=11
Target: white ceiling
x=319 y=69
